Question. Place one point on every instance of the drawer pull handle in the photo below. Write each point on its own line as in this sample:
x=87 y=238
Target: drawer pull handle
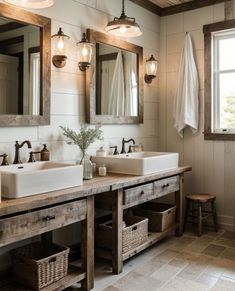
x=165 y=185
x=48 y=217
x=142 y=192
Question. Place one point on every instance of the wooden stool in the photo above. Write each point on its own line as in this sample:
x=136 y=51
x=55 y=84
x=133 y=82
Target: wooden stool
x=196 y=202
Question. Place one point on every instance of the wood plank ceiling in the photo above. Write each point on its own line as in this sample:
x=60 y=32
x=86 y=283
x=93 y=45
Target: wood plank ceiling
x=168 y=7
x=166 y=3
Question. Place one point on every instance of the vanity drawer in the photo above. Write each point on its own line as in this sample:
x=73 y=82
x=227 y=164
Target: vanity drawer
x=37 y=222
x=138 y=194
x=166 y=186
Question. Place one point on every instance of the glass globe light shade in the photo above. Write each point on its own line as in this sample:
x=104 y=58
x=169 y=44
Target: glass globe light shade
x=34 y=4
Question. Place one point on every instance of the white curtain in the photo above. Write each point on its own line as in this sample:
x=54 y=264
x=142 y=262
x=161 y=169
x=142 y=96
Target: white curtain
x=34 y=100
x=131 y=89
x=117 y=92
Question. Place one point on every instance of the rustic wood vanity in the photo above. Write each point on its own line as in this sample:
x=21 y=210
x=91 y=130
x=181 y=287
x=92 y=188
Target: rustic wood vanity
x=41 y=214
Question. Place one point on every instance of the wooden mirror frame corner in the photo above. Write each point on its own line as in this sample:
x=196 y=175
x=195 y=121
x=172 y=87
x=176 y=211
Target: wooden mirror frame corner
x=44 y=24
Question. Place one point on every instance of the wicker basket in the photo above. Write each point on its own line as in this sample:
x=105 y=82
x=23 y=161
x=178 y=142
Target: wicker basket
x=135 y=233
x=161 y=216
x=38 y=265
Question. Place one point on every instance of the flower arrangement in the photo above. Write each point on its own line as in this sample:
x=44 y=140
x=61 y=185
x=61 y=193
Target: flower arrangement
x=84 y=138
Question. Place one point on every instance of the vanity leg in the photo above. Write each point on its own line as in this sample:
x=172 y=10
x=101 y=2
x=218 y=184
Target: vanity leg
x=87 y=245
x=179 y=207
x=117 y=220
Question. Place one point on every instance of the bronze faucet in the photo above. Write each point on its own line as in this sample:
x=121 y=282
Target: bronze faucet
x=31 y=157
x=4 y=160
x=123 y=151
x=17 y=150
x=115 y=150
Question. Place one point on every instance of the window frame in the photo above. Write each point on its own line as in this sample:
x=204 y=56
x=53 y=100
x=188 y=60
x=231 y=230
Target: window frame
x=209 y=103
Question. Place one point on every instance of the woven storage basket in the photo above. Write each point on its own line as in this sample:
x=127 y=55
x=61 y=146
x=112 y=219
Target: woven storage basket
x=161 y=216
x=134 y=233
x=38 y=265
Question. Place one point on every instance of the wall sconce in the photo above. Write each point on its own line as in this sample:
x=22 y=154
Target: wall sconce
x=59 y=44
x=123 y=26
x=85 y=49
x=34 y=4
x=151 y=69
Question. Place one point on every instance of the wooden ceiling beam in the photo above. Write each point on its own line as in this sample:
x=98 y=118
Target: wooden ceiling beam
x=195 y=4
x=10 y=26
x=11 y=41
x=149 y=6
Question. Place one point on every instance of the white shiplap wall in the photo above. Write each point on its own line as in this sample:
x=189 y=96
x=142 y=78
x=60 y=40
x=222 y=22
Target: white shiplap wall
x=68 y=84
x=213 y=162
x=68 y=89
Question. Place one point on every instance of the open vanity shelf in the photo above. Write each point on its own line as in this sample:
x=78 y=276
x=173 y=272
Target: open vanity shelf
x=153 y=237
x=25 y=217
x=40 y=214
x=126 y=198
x=75 y=275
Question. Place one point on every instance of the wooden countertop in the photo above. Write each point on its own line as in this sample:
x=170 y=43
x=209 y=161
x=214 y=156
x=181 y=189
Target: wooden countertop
x=90 y=187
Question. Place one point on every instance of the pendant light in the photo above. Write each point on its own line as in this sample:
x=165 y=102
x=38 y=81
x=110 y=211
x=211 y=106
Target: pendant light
x=34 y=4
x=123 y=26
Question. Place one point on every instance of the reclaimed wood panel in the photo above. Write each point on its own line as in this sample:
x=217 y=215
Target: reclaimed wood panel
x=117 y=226
x=166 y=186
x=92 y=187
x=27 y=225
x=137 y=194
x=87 y=234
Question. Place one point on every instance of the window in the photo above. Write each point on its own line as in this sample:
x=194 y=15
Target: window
x=224 y=81
x=220 y=80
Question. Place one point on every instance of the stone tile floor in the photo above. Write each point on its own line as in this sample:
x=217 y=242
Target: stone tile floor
x=188 y=263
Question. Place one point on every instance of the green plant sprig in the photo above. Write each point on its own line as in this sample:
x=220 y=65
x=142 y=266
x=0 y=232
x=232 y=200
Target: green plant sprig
x=84 y=138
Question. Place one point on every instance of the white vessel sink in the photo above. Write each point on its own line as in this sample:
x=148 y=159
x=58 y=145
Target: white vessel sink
x=139 y=163
x=34 y=178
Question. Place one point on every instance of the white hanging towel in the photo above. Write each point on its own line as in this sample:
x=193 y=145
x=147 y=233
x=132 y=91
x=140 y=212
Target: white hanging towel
x=186 y=99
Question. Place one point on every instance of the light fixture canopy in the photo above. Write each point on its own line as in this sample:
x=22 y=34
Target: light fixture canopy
x=59 y=45
x=34 y=4
x=123 y=26
x=151 y=69
x=85 y=49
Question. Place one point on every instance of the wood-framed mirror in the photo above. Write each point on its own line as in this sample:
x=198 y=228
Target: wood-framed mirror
x=25 y=67
x=114 y=82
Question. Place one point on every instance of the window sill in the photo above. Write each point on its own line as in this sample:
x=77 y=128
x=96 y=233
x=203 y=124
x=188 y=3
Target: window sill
x=219 y=136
